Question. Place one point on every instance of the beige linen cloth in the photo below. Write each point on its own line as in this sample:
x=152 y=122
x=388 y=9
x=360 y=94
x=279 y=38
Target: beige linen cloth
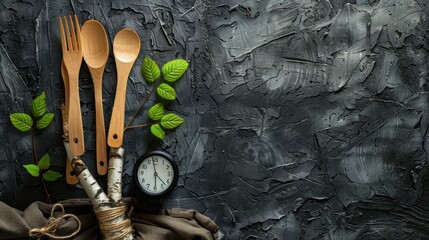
x=169 y=224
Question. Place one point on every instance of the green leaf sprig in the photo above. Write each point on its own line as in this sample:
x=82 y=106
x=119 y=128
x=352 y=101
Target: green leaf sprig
x=38 y=120
x=24 y=122
x=42 y=167
x=171 y=72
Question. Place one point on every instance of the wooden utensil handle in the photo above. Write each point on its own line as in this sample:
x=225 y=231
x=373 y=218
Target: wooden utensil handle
x=100 y=130
x=70 y=177
x=116 y=127
x=77 y=145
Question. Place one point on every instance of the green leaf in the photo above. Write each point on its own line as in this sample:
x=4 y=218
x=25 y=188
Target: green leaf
x=44 y=162
x=156 y=111
x=150 y=70
x=32 y=169
x=21 y=121
x=44 y=121
x=38 y=106
x=51 y=176
x=173 y=70
x=157 y=131
x=171 y=120
x=165 y=91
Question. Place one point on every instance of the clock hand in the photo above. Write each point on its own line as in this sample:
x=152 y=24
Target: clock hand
x=155 y=174
x=153 y=163
x=161 y=179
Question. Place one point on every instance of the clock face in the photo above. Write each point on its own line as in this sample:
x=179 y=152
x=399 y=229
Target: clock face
x=156 y=174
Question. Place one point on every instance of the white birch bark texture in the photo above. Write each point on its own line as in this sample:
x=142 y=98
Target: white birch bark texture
x=114 y=174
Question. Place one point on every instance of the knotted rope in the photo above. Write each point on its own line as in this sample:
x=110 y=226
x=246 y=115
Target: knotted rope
x=52 y=225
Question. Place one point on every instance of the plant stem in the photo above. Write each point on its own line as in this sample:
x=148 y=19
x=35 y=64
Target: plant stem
x=33 y=141
x=142 y=125
x=141 y=105
x=48 y=196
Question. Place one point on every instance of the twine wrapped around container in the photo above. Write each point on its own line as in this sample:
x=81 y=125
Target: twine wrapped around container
x=106 y=216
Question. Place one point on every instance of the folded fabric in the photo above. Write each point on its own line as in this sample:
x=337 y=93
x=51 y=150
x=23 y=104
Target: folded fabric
x=175 y=223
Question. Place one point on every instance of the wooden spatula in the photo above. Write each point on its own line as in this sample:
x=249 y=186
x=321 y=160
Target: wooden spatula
x=70 y=177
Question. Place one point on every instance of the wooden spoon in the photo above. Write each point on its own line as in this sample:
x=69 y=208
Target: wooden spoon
x=70 y=176
x=126 y=48
x=95 y=52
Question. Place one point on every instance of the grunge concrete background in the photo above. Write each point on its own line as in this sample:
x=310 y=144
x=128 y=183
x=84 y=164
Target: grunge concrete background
x=305 y=119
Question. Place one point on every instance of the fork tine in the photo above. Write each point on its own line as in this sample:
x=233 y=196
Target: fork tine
x=73 y=33
x=69 y=41
x=77 y=26
x=63 y=36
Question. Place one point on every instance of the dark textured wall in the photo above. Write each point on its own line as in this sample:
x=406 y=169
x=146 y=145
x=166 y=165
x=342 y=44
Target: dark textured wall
x=305 y=119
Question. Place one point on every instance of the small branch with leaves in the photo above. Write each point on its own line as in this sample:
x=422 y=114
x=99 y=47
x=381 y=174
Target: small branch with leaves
x=40 y=119
x=171 y=72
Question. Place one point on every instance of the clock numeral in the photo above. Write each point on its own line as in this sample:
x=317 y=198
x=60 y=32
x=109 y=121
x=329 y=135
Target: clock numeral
x=169 y=173
x=143 y=180
x=154 y=188
x=144 y=166
x=148 y=185
x=168 y=167
x=141 y=172
x=154 y=159
x=163 y=162
x=168 y=180
x=162 y=186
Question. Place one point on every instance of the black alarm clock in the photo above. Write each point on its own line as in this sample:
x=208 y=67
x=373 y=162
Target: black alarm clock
x=156 y=173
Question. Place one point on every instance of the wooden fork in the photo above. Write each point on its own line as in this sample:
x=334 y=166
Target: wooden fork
x=71 y=44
